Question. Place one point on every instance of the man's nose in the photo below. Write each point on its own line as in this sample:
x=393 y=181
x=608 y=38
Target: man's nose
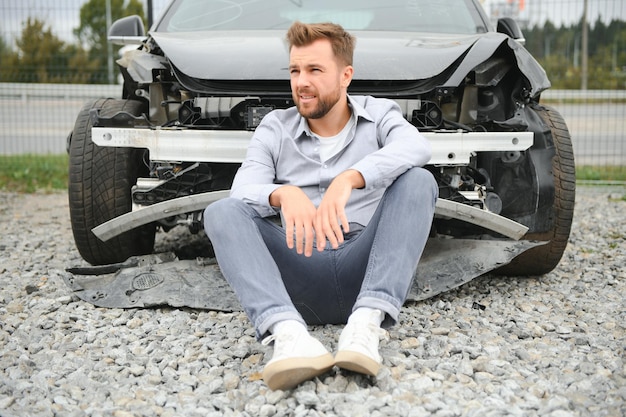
x=302 y=80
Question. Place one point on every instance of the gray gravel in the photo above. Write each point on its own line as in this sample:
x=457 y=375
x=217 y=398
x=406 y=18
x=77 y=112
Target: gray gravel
x=549 y=346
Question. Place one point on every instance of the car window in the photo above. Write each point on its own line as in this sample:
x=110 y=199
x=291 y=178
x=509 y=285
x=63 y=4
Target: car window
x=439 y=16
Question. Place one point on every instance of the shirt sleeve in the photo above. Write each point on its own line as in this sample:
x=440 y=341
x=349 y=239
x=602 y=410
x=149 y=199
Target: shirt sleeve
x=401 y=147
x=255 y=179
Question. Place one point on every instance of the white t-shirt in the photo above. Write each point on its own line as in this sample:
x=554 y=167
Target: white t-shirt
x=330 y=146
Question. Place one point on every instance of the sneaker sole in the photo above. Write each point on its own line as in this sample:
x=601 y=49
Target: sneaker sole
x=287 y=373
x=356 y=362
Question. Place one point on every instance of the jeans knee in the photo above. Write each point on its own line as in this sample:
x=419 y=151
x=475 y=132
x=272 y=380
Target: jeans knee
x=420 y=182
x=219 y=214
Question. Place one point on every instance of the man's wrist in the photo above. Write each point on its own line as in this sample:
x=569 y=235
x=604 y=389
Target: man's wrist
x=354 y=178
x=277 y=195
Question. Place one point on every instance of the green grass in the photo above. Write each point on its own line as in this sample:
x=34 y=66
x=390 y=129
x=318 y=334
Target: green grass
x=601 y=173
x=30 y=173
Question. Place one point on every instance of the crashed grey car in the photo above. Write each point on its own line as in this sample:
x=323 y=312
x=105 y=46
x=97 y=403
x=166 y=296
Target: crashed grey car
x=199 y=82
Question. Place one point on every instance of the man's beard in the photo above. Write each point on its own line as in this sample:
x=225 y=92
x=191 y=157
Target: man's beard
x=324 y=105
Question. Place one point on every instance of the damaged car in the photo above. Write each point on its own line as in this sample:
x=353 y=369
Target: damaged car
x=196 y=85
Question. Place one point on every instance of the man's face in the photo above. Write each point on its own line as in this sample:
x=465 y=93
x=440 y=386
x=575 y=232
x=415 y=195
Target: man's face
x=318 y=82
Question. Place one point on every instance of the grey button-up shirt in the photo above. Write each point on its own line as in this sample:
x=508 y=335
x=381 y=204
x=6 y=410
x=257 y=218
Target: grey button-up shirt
x=283 y=151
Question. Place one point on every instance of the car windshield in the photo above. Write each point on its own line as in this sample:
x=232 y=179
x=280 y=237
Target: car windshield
x=438 y=16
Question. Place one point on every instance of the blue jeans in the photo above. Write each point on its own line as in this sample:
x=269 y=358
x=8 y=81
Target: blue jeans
x=373 y=268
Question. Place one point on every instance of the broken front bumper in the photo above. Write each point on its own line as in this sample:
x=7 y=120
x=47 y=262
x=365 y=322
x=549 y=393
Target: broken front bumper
x=450 y=148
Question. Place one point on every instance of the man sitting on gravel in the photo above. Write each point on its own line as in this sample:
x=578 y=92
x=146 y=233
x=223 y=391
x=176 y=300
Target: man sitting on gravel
x=356 y=209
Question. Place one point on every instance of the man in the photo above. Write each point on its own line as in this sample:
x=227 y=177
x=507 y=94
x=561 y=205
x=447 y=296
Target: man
x=356 y=210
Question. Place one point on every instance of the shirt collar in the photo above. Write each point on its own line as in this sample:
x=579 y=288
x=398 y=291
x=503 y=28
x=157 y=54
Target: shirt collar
x=303 y=127
x=359 y=110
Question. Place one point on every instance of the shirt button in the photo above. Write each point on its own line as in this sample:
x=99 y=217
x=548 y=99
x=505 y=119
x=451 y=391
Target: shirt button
x=325 y=166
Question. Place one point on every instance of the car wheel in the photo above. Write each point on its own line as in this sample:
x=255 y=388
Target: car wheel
x=100 y=181
x=543 y=259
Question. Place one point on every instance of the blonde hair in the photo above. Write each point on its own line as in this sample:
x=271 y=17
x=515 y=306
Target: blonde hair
x=303 y=34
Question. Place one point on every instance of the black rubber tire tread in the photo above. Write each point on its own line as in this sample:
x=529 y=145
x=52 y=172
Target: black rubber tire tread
x=543 y=259
x=100 y=181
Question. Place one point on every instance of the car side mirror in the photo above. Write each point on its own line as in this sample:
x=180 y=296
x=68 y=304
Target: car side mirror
x=128 y=30
x=510 y=27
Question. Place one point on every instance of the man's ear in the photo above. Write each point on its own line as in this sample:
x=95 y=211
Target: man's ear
x=346 y=76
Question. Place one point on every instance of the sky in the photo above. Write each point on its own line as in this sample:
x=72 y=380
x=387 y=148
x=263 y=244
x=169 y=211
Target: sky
x=62 y=16
x=559 y=12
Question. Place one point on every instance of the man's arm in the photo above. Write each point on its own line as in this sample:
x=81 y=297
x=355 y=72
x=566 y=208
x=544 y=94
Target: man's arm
x=331 y=220
x=255 y=179
x=401 y=147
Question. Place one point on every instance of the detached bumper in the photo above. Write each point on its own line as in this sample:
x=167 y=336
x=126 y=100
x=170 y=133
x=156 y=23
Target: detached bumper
x=197 y=202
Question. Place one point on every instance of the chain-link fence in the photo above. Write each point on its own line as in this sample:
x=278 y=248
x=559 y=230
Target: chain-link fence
x=54 y=57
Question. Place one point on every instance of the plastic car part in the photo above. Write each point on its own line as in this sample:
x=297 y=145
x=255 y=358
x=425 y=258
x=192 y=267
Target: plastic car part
x=161 y=279
x=146 y=215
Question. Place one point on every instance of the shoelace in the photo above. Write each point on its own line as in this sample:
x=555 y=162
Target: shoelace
x=282 y=348
x=362 y=338
x=269 y=339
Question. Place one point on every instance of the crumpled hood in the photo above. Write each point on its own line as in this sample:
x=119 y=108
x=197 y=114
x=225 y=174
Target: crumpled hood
x=403 y=56
x=263 y=55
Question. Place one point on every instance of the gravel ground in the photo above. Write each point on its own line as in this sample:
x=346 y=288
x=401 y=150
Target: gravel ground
x=549 y=346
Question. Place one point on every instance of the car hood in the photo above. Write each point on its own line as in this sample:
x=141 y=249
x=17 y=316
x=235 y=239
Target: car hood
x=263 y=55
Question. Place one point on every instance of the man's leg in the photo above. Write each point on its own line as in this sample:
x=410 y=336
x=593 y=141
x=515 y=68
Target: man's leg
x=241 y=251
x=273 y=282
x=396 y=237
x=313 y=283
x=403 y=220
x=246 y=263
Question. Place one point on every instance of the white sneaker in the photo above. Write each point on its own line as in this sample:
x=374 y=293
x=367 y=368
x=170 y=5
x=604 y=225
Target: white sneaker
x=358 y=346
x=297 y=357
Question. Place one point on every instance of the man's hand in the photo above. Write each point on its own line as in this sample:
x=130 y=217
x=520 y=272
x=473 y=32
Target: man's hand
x=327 y=222
x=299 y=217
x=331 y=221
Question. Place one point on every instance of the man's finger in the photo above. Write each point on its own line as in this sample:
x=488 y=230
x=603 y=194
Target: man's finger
x=299 y=238
x=329 y=228
x=289 y=234
x=309 y=233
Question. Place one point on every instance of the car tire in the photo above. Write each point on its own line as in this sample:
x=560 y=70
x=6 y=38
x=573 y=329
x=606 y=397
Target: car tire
x=543 y=259
x=100 y=181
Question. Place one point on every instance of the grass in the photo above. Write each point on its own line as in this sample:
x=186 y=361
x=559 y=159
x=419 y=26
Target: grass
x=609 y=173
x=33 y=173
x=46 y=173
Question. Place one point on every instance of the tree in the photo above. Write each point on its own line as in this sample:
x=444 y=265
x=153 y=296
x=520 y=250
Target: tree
x=42 y=57
x=38 y=50
x=7 y=58
x=559 y=52
x=92 y=31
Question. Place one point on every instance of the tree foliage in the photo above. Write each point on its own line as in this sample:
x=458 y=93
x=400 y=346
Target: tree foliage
x=42 y=57
x=559 y=50
x=92 y=30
